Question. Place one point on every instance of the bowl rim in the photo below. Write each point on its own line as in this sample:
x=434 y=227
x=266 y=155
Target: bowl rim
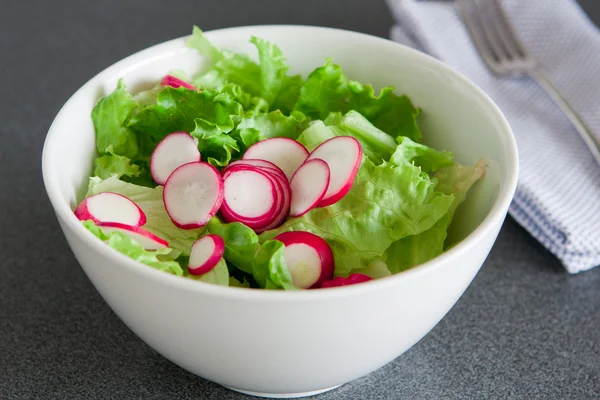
x=493 y=218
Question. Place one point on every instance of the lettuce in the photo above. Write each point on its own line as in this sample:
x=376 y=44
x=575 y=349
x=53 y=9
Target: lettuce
x=417 y=249
x=112 y=164
x=258 y=127
x=150 y=200
x=110 y=117
x=158 y=259
x=327 y=90
x=241 y=242
x=269 y=268
x=219 y=275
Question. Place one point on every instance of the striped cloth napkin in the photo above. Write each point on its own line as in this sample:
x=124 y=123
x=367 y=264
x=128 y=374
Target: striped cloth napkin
x=558 y=196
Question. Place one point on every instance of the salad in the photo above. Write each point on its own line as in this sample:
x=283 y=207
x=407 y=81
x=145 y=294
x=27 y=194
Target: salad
x=249 y=176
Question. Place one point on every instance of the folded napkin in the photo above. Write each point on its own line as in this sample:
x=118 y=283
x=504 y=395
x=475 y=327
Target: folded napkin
x=558 y=196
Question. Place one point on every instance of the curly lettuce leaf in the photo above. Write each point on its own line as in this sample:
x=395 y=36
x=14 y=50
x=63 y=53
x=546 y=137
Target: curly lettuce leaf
x=250 y=104
x=273 y=68
x=150 y=200
x=112 y=164
x=216 y=147
x=288 y=94
x=376 y=144
x=158 y=259
x=417 y=249
x=110 y=117
x=386 y=203
x=429 y=159
x=327 y=90
x=258 y=127
x=219 y=275
x=269 y=268
x=180 y=110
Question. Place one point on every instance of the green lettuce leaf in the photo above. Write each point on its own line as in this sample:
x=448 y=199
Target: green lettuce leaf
x=233 y=282
x=216 y=147
x=376 y=144
x=110 y=117
x=241 y=243
x=429 y=159
x=258 y=127
x=273 y=68
x=317 y=133
x=417 y=249
x=158 y=259
x=150 y=200
x=112 y=164
x=251 y=104
x=386 y=203
x=327 y=89
x=269 y=268
x=219 y=275
x=288 y=95
x=181 y=110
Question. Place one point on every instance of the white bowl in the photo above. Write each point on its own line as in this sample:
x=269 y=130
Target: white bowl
x=284 y=344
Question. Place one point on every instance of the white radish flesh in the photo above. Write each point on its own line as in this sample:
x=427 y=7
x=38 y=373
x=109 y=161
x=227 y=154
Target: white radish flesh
x=343 y=154
x=308 y=258
x=250 y=196
x=205 y=254
x=309 y=185
x=287 y=154
x=173 y=151
x=147 y=239
x=193 y=194
x=110 y=207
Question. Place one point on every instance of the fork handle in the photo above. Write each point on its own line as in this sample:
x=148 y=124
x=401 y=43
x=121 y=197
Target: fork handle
x=592 y=142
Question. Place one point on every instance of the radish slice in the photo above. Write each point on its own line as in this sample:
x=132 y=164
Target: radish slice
x=308 y=257
x=173 y=151
x=193 y=194
x=148 y=240
x=170 y=80
x=263 y=164
x=309 y=184
x=206 y=254
x=287 y=154
x=341 y=281
x=285 y=207
x=110 y=207
x=249 y=196
x=343 y=154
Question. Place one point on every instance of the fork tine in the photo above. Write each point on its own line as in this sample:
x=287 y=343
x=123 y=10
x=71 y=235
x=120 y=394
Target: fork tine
x=507 y=31
x=496 y=23
x=474 y=24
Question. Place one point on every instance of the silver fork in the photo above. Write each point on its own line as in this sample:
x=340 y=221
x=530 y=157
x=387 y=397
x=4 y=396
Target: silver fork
x=501 y=50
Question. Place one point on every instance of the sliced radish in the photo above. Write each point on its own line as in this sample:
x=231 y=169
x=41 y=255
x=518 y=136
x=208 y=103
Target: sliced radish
x=263 y=164
x=343 y=154
x=110 y=207
x=287 y=154
x=206 y=254
x=148 y=240
x=173 y=151
x=170 y=80
x=308 y=257
x=309 y=184
x=193 y=194
x=341 y=281
x=249 y=196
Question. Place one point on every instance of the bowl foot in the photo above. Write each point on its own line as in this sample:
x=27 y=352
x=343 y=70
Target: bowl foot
x=283 y=395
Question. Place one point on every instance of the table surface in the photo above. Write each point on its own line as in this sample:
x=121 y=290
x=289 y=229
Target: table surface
x=524 y=329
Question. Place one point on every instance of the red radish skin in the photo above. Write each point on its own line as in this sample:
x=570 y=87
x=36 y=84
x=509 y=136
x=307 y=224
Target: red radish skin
x=341 y=281
x=206 y=254
x=309 y=185
x=193 y=194
x=286 y=153
x=262 y=164
x=250 y=197
x=147 y=239
x=343 y=154
x=110 y=207
x=307 y=270
x=173 y=151
x=170 y=80
x=283 y=192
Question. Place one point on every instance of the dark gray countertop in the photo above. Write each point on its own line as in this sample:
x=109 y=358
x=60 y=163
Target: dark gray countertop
x=524 y=329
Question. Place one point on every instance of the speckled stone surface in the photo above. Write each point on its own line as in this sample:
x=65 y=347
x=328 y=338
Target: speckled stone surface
x=524 y=329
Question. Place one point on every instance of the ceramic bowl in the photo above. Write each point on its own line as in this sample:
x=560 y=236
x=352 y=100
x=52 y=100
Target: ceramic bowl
x=290 y=344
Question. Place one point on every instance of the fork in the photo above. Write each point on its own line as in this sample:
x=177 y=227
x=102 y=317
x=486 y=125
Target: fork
x=502 y=51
